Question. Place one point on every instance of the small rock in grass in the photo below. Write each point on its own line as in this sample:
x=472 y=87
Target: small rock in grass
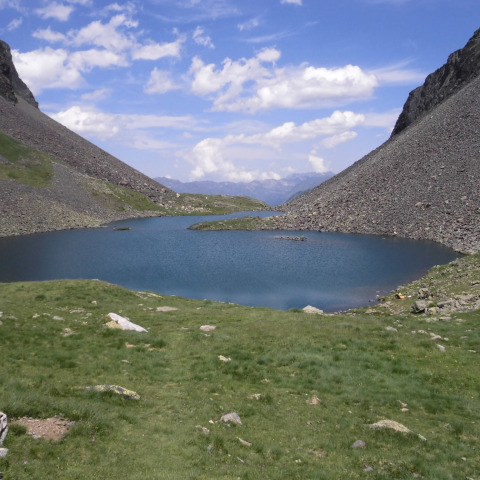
x=244 y=442
x=231 y=417
x=207 y=328
x=359 y=444
x=166 y=309
x=441 y=347
x=224 y=359
x=205 y=430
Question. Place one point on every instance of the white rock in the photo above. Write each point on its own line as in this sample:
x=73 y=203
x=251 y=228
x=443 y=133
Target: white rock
x=231 y=417
x=310 y=309
x=3 y=452
x=166 y=309
x=207 y=328
x=3 y=427
x=441 y=347
x=125 y=324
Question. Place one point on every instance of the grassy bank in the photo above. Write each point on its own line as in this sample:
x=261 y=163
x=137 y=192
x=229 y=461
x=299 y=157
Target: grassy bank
x=305 y=387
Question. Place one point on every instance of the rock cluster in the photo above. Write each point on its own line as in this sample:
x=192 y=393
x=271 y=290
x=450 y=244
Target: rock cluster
x=421 y=184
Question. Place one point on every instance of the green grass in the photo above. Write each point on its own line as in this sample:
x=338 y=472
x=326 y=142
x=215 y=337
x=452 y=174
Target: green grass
x=24 y=164
x=279 y=361
x=244 y=223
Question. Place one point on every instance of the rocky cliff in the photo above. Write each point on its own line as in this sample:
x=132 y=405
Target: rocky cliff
x=422 y=183
x=462 y=66
x=77 y=166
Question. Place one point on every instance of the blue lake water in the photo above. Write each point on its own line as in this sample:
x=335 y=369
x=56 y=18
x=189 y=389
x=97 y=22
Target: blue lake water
x=331 y=271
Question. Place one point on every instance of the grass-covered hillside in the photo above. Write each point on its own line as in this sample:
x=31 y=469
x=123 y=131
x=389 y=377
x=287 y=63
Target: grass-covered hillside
x=305 y=388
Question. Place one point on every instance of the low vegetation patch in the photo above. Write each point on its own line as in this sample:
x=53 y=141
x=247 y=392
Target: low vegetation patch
x=24 y=164
x=244 y=223
x=254 y=393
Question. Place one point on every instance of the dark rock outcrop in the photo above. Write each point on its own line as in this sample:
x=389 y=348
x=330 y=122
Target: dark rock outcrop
x=11 y=86
x=462 y=66
x=422 y=183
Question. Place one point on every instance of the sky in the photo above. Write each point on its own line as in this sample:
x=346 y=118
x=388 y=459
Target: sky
x=232 y=90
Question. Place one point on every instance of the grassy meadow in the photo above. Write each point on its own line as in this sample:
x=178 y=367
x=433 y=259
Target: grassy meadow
x=305 y=387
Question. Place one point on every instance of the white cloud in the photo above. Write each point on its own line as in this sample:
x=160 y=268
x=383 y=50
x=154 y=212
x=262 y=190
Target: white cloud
x=55 y=10
x=154 y=51
x=103 y=125
x=46 y=68
x=249 y=25
x=339 y=138
x=14 y=24
x=160 y=82
x=201 y=39
x=210 y=155
x=303 y=86
x=398 y=75
x=85 y=60
x=318 y=163
x=49 y=35
x=229 y=81
x=99 y=94
x=104 y=35
x=293 y=2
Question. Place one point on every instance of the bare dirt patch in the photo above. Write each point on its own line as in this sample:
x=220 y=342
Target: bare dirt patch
x=53 y=428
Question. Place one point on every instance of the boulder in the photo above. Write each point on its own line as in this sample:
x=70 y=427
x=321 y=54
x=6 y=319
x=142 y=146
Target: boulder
x=310 y=309
x=419 y=306
x=3 y=427
x=123 y=323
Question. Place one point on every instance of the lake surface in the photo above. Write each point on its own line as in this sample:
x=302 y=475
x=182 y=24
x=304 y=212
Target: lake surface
x=331 y=271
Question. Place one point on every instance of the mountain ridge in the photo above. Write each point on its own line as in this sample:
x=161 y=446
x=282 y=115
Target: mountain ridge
x=273 y=192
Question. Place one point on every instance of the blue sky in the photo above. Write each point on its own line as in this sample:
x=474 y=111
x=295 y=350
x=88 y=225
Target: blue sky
x=232 y=90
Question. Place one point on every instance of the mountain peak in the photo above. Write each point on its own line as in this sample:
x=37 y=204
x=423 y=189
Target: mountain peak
x=11 y=86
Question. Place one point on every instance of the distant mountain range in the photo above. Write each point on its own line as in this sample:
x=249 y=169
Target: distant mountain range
x=273 y=192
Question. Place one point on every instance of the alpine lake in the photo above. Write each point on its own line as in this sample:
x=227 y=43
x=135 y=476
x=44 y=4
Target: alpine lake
x=276 y=269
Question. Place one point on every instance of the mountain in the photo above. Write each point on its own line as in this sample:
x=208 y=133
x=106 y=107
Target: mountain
x=273 y=192
x=422 y=183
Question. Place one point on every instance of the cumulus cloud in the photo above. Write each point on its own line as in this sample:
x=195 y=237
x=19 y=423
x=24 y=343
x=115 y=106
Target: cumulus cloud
x=200 y=38
x=154 y=51
x=293 y=2
x=58 y=68
x=302 y=86
x=58 y=11
x=98 y=124
x=160 y=82
x=47 y=68
x=230 y=79
x=211 y=154
x=318 y=163
x=106 y=35
x=114 y=44
x=49 y=35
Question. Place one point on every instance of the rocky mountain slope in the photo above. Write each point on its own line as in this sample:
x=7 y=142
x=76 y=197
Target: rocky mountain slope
x=462 y=66
x=273 y=192
x=78 y=170
x=423 y=182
